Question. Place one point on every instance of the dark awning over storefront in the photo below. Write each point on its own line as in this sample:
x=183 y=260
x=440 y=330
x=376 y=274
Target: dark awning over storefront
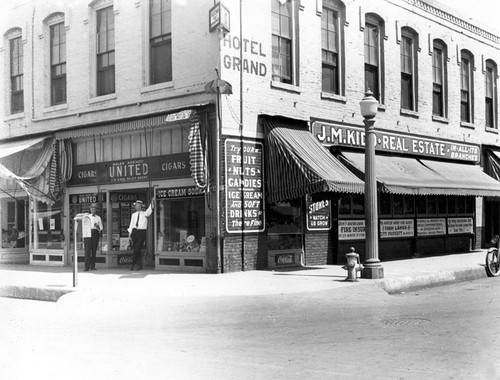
x=297 y=164
x=492 y=164
x=405 y=175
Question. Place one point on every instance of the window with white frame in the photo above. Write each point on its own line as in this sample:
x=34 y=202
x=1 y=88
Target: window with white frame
x=160 y=40
x=282 y=41
x=491 y=95
x=409 y=43
x=105 y=36
x=466 y=86
x=16 y=75
x=331 y=47
x=439 y=79
x=373 y=52
x=57 y=64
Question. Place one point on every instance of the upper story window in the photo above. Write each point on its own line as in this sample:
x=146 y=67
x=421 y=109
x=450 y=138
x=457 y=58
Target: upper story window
x=331 y=48
x=491 y=95
x=466 y=86
x=282 y=35
x=16 y=75
x=58 y=63
x=160 y=34
x=409 y=43
x=105 y=35
x=439 y=79
x=374 y=65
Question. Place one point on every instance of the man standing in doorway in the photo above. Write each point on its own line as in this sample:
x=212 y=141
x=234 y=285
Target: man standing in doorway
x=137 y=231
x=91 y=238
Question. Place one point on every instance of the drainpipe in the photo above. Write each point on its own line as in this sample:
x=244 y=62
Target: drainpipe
x=33 y=64
x=241 y=142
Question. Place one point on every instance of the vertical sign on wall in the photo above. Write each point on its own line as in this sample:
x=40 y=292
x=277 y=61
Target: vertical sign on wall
x=244 y=186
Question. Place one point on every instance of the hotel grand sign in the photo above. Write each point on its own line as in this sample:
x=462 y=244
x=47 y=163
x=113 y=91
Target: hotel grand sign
x=341 y=135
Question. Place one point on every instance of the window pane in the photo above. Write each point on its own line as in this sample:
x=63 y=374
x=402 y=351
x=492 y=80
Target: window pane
x=451 y=204
x=345 y=206
x=409 y=204
x=358 y=205
x=385 y=204
x=398 y=204
x=406 y=92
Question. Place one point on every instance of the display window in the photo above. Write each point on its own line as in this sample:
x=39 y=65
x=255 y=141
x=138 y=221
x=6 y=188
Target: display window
x=180 y=225
x=13 y=223
x=79 y=204
x=47 y=225
x=284 y=223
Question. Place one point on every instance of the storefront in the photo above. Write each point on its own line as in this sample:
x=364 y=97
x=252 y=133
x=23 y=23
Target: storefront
x=115 y=165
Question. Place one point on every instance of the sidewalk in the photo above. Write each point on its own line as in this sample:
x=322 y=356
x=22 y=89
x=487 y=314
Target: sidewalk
x=50 y=283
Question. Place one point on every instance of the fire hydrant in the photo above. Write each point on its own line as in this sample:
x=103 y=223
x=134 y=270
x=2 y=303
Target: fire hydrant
x=353 y=265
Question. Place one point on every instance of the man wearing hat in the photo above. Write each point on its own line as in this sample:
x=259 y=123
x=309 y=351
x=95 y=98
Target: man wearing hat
x=91 y=242
x=137 y=231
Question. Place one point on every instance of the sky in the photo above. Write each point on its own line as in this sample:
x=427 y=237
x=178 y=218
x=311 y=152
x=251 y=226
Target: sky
x=485 y=11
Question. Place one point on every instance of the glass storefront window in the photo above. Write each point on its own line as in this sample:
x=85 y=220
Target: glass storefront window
x=75 y=209
x=13 y=223
x=284 y=221
x=385 y=204
x=398 y=204
x=47 y=226
x=409 y=202
x=180 y=224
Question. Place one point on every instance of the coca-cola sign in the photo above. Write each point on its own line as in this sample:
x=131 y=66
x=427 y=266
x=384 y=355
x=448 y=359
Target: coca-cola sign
x=125 y=259
x=285 y=259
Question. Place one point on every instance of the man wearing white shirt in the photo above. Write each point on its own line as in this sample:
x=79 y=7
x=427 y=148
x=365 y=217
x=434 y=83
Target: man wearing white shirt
x=91 y=236
x=137 y=231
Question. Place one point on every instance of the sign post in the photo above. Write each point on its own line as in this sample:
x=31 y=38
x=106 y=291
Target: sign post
x=77 y=218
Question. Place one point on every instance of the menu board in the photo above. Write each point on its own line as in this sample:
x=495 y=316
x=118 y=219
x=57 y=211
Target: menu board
x=318 y=215
x=244 y=186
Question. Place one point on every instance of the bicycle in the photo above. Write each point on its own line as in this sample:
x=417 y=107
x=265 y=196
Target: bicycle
x=492 y=259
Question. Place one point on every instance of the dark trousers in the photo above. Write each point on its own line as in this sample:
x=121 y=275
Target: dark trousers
x=91 y=244
x=138 y=239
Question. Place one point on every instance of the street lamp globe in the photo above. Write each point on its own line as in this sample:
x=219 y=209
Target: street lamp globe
x=368 y=106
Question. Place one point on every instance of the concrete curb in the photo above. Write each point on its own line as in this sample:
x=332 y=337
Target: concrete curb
x=33 y=293
x=399 y=285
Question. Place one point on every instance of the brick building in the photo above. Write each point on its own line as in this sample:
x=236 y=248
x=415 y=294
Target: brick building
x=117 y=101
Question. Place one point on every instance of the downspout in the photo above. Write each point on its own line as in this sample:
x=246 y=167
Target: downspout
x=33 y=64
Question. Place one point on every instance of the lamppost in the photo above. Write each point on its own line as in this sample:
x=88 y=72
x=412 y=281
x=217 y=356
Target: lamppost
x=371 y=267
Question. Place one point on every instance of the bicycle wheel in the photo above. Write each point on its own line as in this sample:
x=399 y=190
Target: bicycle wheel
x=492 y=263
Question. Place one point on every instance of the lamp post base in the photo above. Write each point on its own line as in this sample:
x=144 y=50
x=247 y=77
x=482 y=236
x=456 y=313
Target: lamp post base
x=372 y=271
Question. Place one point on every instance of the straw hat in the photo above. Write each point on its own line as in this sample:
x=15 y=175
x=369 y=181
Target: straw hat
x=94 y=205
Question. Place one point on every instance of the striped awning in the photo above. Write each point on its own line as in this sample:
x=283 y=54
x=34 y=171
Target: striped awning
x=125 y=126
x=196 y=155
x=8 y=148
x=297 y=164
x=406 y=175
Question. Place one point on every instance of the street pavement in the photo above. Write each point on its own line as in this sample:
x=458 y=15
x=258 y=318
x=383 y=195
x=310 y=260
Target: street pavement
x=50 y=283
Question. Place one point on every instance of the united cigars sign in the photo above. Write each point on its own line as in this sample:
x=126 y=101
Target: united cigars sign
x=244 y=186
x=333 y=134
x=133 y=170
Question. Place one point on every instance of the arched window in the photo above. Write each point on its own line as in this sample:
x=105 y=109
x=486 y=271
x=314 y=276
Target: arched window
x=332 y=52
x=374 y=55
x=491 y=95
x=439 y=79
x=466 y=86
x=409 y=84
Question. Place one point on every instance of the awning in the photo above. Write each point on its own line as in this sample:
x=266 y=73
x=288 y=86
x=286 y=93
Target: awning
x=197 y=157
x=492 y=164
x=405 y=175
x=297 y=164
x=125 y=126
x=8 y=148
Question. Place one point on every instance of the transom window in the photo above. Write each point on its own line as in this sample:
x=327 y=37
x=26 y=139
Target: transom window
x=160 y=31
x=105 y=51
x=16 y=75
x=58 y=63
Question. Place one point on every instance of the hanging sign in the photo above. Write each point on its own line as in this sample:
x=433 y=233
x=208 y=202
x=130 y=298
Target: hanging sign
x=244 y=186
x=319 y=215
x=219 y=17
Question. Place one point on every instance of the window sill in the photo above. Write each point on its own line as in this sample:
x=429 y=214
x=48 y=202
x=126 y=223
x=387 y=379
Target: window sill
x=467 y=125
x=334 y=97
x=102 y=98
x=382 y=107
x=286 y=87
x=440 y=119
x=15 y=116
x=492 y=130
x=410 y=113
x=58 y=107
x=157 y=87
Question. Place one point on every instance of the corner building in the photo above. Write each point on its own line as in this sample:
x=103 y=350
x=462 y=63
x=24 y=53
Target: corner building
x=244 y=124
